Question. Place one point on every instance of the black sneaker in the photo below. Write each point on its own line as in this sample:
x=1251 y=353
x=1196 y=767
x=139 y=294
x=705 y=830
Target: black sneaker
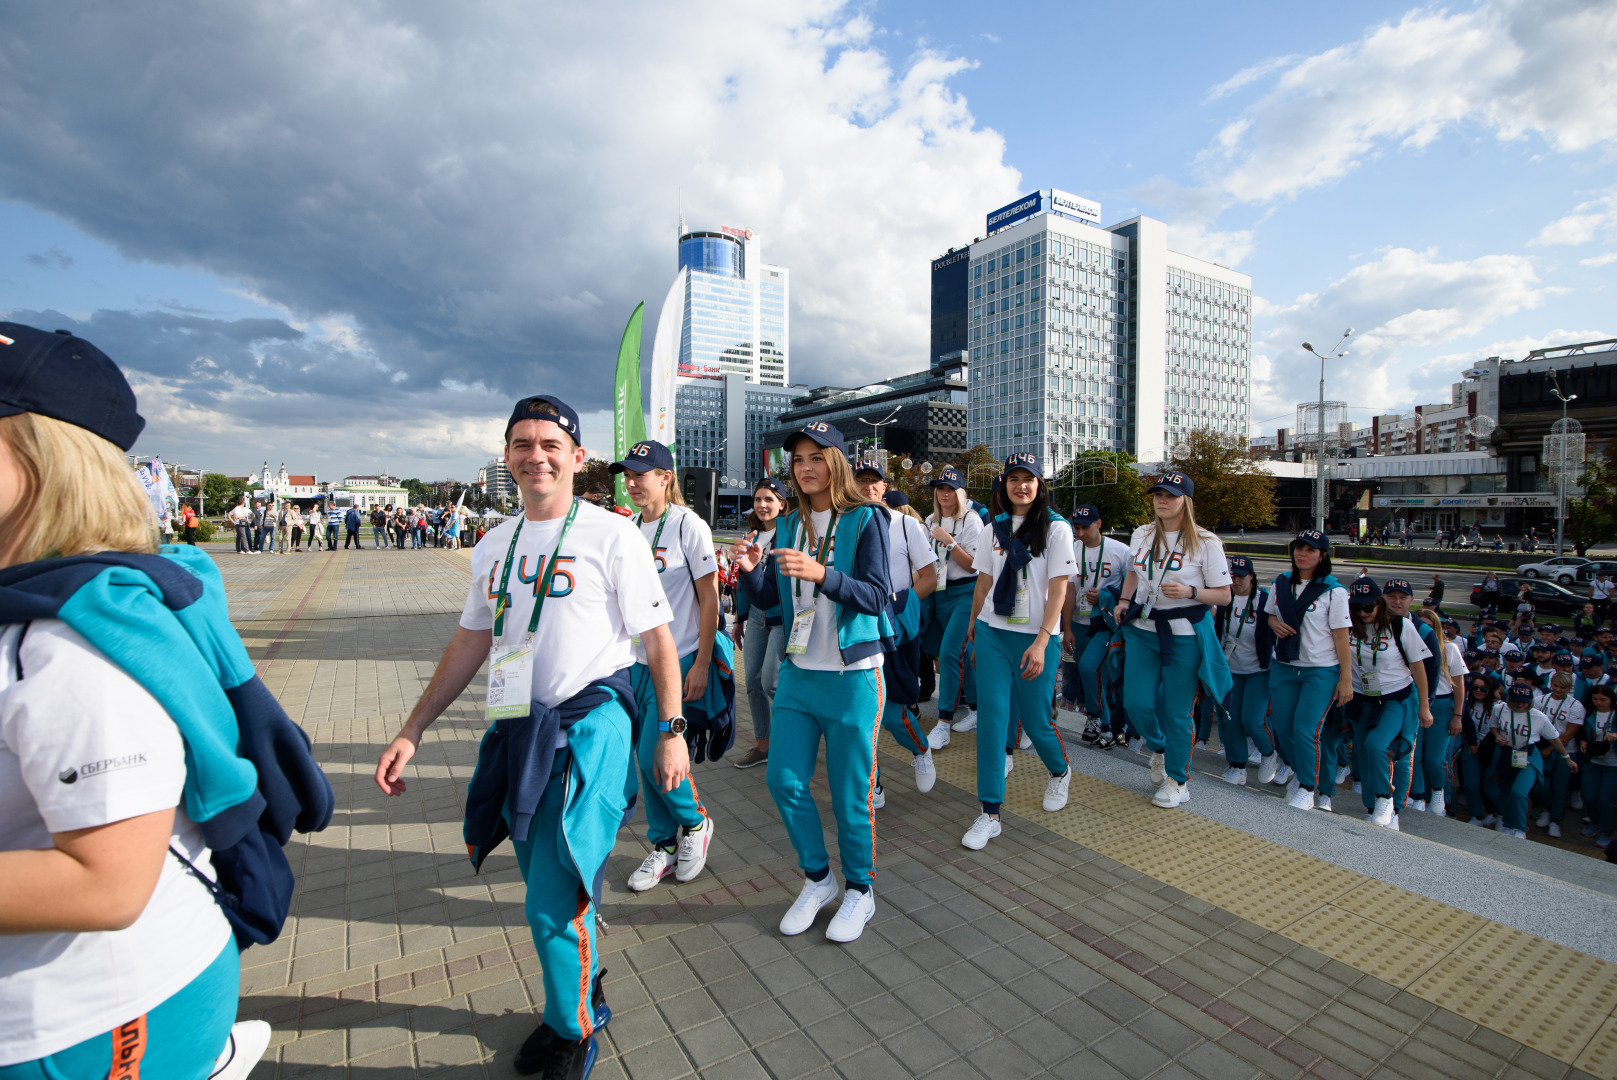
x=751 y=758
x=1091 y=731
x=1105 y=741
x=539 y=1049
x=572 y=1061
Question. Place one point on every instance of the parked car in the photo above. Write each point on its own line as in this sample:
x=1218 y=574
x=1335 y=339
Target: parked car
x=1549 y=598
x=1587 y=572
x=1562 y=568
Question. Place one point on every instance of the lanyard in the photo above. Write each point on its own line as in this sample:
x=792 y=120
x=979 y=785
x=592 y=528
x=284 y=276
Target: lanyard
x=1151 y=561
x=1605 y=727
x=638 y=521
x=1375 y=651
x=1510 y=725
x=1246 y=615
x=504 y=601
x=1555 y=717
x=1084 y=569
x=822 y=552
x=937 y=546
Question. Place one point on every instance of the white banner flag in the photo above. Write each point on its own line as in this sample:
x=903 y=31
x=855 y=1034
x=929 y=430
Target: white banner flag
x=664 y=359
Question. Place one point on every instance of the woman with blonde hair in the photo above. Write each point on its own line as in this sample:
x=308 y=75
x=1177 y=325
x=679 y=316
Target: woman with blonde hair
x=954 y=529
x=115 y=783
x=831 y=570
x=1176 y=570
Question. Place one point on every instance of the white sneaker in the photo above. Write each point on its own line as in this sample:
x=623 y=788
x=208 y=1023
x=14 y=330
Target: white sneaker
x=1010 y=763
x=878 y=798
x=1342 y=773
x=246 y=1044
x=1267 y=768
x=1555 y=829
x=967 y=722
x=658 y=865
x=693 y=850
x=1301 y=799
x=938 y=738
x=1235 y=774
x=1252 y=750
x=1055 y=792
x=1171 y=794
x=982 y=830
x=1483 y=822
x=1201 y=744
x=1382 y=814
x=848 y=923
x=1137 y=745
x=1544 y=820
x=926 y=772
x=1438 y=805
x=1419 y=804
x=1293 y=786
x=1284 y=775
x=1393 y=824
x=1322 y=802
x=1159 y=769
x=1358 y=787
x=1025 y=743
x=815 y=895
x=1575 y=800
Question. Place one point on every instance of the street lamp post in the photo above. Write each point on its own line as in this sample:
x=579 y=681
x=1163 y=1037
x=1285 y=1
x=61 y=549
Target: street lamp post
x=1336 y=353
x=1560 y=471
x=879 y=424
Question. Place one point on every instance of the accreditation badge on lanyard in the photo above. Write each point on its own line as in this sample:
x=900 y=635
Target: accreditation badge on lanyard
x=1152 y=585
x=639 y=648
x=803 y=617
x=943 y=566
x=1518 y=758
x=1019 y=607
x=1085 y=571
x=510 y=663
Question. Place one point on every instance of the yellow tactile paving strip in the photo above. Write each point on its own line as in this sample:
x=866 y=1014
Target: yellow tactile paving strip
x=1554 y=999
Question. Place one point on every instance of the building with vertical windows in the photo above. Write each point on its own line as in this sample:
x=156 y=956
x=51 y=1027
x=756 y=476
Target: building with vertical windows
x=734 y=354
x=1081 y=337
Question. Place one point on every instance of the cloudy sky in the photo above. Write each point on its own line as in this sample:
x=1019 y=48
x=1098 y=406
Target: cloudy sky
x=346 y=236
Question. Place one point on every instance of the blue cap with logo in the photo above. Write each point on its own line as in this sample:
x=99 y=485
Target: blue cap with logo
x=1562 y=659
x=1314 y=539
x=824 y=434
x=1022 y=460
x=895 y=498
x=869 y=465
x=546 y=407
x=1363 y=593
x=66 y=378
x=1241 y=565
x=643 y=457
x=949 y=476
x=1398 y=585
x=1174 y=484
x=1520 y=693
x=1084 y=516
x=773 y=485
x=1592 y=660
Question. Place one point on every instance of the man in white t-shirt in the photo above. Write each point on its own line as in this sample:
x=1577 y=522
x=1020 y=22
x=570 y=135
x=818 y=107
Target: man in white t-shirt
x=556 y=595
x=1102 y=563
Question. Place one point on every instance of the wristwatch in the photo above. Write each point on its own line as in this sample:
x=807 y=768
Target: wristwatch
x=676 y=725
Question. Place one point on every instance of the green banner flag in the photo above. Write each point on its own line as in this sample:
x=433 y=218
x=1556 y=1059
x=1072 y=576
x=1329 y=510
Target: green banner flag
x=628 y=412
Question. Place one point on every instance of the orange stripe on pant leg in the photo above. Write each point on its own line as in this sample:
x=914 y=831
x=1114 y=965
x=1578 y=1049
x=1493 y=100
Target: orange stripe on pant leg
x=1319 y=738
x=128 y=1048
x=586 y=1015
x=870 y=792
x=904 y=716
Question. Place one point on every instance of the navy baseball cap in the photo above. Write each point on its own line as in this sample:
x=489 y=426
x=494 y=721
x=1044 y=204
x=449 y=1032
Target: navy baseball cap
x=1241 y=565
x=1029 y=462
x=1085 y=516
x=950 y=477
x=1554 y=628
x=1545 y=645
x=546 y=407
x=1562 y=658
x=1593 y=660
x=1314 y=539
x=1174 y=484
x=1492 y=654
x=1520 y=693
x=1398 y=584
x=824 y=434
x=66 y=378
x=869 y=465
x=895 y=498
x=773 y=485
x=643 y=457
x=1472 y=656
x=1363 y=593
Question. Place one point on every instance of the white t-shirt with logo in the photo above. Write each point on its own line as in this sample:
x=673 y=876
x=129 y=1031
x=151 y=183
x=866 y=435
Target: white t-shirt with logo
x=1056 y=562
x=823 y=652
x=1209 y=569
x=1381 y=658
x=908 y=550
x=1566 y=714
x=1522 y=729
x=1241 y=632
x=966 y=532
x=605 y=591
x=684 y=552
x=1316 y=647
x=1102 y=566
x=1603 y=723
x=1453 y=664
x=82 y=744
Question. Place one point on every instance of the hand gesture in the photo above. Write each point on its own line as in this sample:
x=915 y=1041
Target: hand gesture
x=745 y=553
x=1033 y=660
x=1280 y=627
x=672 y=761
x=799 y=564
x=941 y=535
x=391 y=765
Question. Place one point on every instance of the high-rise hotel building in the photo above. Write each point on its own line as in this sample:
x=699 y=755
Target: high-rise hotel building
x=734 y=353
x=1080 y=337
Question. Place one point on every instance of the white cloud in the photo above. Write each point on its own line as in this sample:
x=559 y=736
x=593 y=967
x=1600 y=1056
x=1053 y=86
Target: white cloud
x=1589 y=220
x=1599 y=260
x=1517 y=68
x=1247 y=76
x=477 y=196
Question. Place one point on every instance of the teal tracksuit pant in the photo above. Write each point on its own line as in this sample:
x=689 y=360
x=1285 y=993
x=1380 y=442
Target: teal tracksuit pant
x=1299 y=699
x=1246 y=716
x=1383 y=736
x=951 y=615
x=1334 y=736
x=1433 y=751
x=179 y=1038
x=1167 y=725
x=1512 y=786
x=844 y=708
x=666 y=811
x=1000 y=682
x=1088 y=650
x=903 y=722
x=1600 y=796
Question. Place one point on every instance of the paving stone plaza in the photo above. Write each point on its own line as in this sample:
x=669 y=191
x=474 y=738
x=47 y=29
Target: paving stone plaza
x=1229 y=939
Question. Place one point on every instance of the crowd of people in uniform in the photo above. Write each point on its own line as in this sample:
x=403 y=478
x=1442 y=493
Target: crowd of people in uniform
x=149 y=779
